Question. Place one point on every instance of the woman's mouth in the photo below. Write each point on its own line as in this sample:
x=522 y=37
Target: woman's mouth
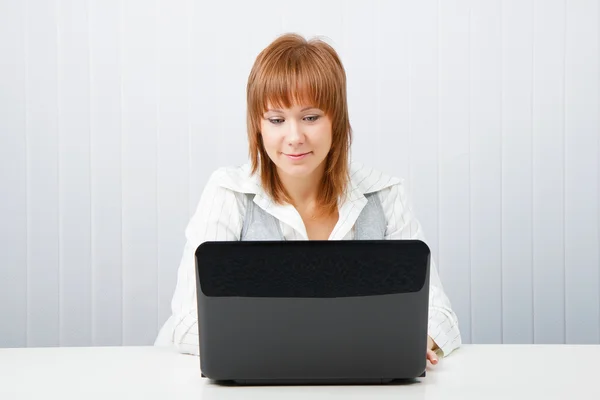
x=297 y=156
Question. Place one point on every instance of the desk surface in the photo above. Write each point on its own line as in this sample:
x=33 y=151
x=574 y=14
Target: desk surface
x=472 y=372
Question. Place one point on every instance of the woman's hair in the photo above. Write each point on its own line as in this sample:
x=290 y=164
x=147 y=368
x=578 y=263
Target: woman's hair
x=294 y=71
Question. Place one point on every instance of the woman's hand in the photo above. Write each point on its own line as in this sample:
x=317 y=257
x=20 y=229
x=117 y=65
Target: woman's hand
x=431 y=346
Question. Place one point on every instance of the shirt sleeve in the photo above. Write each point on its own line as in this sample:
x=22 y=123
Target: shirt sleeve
x=402 y=224
x=217 y=217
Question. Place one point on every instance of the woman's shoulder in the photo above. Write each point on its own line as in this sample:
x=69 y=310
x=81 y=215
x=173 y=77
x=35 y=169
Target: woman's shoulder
x=366 y=179
x=236 y=178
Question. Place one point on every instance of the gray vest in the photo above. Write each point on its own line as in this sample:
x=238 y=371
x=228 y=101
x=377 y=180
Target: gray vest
x=260 y=225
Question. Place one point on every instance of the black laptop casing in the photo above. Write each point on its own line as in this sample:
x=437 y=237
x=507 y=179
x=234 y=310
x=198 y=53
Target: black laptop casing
x=295 y=312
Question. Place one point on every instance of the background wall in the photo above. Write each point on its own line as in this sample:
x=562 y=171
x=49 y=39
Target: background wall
x=114 y=113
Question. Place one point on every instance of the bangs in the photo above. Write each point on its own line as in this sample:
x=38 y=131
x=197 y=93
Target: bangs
x=297 y=77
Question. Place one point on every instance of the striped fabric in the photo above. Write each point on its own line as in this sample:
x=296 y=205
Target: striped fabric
x=220 y=214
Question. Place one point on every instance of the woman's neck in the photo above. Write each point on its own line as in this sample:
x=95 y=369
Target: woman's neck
x=303 y=191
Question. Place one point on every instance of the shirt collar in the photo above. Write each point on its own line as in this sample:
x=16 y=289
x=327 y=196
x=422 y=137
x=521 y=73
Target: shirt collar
x=363 y=180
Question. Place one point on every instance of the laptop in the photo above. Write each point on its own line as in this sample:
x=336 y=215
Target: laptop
x=312 y=312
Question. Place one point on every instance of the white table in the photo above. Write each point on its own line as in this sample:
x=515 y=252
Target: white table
x=471 y=372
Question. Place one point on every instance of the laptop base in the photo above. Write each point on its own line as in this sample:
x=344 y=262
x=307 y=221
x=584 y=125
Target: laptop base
x=369 y=381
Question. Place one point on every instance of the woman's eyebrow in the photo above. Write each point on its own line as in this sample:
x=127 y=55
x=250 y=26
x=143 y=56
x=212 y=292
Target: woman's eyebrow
x=280 y=111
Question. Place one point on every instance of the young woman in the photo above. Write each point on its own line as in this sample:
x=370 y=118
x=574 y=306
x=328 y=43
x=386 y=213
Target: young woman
x=299 y=184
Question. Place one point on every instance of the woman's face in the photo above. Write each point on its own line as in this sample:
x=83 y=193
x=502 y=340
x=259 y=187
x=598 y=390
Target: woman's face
x=297 y=139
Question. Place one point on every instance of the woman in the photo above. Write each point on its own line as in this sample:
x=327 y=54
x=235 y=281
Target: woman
x=300 y=178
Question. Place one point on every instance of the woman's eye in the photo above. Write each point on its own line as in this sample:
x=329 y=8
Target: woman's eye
x=312 y=118
x=276 y=121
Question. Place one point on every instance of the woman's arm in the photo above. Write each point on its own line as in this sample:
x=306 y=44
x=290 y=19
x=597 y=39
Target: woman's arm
x=402 y=224
x=217 y=217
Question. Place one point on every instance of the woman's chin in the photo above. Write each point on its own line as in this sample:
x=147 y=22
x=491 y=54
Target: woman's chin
x=297 y=171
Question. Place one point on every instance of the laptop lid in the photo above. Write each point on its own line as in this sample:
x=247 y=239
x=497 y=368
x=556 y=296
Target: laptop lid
x=313 y=311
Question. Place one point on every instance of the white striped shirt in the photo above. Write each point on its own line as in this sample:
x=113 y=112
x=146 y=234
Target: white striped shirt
x=219 y=217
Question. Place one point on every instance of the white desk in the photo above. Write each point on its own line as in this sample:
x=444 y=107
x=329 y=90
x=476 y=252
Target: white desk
x=472 y=372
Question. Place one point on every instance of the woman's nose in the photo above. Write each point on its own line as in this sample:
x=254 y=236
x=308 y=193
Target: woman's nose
x=295 y=135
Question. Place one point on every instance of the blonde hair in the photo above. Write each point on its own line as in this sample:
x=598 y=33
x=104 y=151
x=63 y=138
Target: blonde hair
x=293 y=70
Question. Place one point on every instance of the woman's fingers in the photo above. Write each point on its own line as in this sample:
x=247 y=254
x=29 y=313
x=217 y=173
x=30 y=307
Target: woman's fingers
x=432 y=357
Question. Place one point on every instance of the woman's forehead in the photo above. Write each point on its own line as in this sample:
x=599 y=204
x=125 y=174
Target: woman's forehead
x=292 y=100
